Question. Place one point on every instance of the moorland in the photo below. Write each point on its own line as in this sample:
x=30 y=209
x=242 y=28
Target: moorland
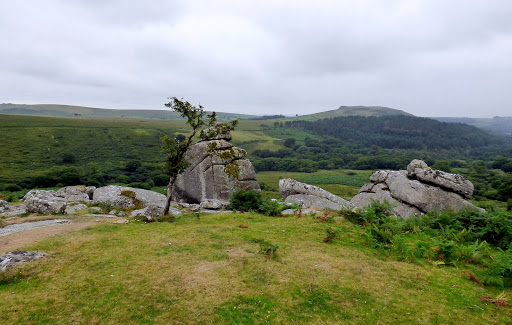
x=248 y=268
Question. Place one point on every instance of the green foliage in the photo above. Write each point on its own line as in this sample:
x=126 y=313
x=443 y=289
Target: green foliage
x=13 y=188
x=467 y=236
x=144 y=186
x=177 y=147
x=332 y=233
x=271 y=207
x=267 y=248
x=443 y=165
x=245 y=201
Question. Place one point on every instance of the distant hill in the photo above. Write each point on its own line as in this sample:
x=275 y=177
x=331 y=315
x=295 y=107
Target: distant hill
x=357 y=111
x=55 y=110
x=496 y=125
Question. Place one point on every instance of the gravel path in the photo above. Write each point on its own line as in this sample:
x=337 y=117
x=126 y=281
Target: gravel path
x=11 y=229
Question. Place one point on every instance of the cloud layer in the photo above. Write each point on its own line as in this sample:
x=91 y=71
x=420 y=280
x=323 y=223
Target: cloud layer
x=427 y=57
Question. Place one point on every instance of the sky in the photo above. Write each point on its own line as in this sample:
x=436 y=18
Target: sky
x=426 y=57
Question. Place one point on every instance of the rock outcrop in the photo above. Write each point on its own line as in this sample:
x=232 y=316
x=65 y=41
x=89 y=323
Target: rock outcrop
x=12 y=258
x=128 y=197
x=76 y=193
x=417 y=190
x=44 y=202
x=4 y=206
x=310 y=196
x=205 y=178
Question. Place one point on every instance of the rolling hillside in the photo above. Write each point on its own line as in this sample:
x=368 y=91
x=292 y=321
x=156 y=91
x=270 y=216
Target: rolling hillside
x=356 y=111
x=54 y=110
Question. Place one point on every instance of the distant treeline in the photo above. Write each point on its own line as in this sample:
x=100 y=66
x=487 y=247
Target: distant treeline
x=387 y=142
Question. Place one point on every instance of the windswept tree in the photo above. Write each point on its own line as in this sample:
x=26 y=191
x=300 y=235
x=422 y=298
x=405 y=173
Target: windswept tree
x=177 y=147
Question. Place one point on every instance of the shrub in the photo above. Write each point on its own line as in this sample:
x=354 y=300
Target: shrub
x=245 y=201
x=272 y=208
x=68 y=158
x=13 y=188
x=326 y=216
x=161 y=180
x=332 y=233
x=144 y=186
x=267 y=248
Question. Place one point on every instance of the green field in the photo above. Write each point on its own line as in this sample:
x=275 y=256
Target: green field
x=209 y=270
x=344 y=183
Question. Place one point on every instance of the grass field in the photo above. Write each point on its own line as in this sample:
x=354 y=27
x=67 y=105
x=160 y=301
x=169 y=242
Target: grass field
x=344 y=183
x=208 y=270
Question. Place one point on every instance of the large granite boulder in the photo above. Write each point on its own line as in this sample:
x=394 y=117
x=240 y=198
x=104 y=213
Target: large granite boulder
x=379 y=192
x=12 y=258
x=78 y=193
x=450 y=182
x=128 y=197
x=416 y=190
x=44 y=202
x=310 y=196
x=205 y=178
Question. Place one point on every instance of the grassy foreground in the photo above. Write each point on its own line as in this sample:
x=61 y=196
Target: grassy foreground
x=208 y=269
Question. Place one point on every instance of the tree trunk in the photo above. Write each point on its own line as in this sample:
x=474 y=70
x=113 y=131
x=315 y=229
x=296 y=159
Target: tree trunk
x=169 y=195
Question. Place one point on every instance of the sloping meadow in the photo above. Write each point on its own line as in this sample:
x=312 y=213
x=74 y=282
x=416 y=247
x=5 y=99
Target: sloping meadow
x=216 y=268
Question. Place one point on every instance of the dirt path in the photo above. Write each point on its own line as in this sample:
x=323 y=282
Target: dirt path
x=18 y=240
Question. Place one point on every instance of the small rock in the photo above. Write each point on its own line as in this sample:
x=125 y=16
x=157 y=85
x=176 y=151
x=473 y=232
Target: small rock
x=4 y=206
x=415 y=163
x=213 y=204
x=16 y=210
x=73 y=209
x=12 y=258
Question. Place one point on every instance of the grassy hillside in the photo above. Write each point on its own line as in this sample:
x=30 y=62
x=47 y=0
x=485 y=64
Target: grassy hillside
x=55 y=110
x=208 y=269
x=31 y=145
x=356 y=111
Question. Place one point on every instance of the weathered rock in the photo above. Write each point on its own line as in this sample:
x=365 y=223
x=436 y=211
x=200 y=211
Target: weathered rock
x=213 y=204
x=10 y=259
x=205 y=178
x=75 y=208
x=117 y=213
x=452 y=182
x=153 y=211
x=35 y=193
x=4 y=206
x=289 y=187
x=44 y=202
x=218 y=132
x=127 y=197
x=76 y=193
x=379 y=193
x=415 y=164
x=190 y=206
x=417 y=190
x=379 y=176
x=423 y=196
x=14 y=211
x=315 y=202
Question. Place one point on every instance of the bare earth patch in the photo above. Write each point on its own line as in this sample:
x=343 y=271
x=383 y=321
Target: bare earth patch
x=18 y=240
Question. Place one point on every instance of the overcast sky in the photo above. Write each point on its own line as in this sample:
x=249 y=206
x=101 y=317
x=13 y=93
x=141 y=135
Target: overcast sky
x=429 y=58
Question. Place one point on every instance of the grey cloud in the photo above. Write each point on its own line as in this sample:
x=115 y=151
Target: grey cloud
x=266 y=57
